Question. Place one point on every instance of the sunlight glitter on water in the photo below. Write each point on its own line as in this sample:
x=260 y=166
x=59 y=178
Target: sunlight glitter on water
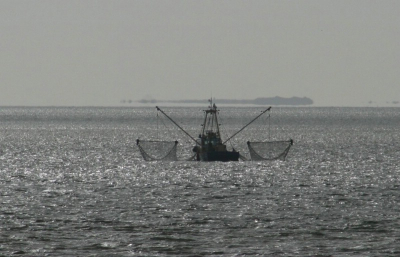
x=74 y=184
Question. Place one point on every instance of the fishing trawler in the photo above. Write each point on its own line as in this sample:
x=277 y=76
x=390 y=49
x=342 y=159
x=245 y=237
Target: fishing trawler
x=210 y=147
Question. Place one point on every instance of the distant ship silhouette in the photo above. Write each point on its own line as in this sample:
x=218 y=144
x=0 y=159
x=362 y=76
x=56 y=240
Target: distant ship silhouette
x=277 y=100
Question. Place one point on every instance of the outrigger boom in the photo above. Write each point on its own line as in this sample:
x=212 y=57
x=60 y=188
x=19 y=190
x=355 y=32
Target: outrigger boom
x=269 y=108
x=158 y=109
x=210 y=110
x=211 y=147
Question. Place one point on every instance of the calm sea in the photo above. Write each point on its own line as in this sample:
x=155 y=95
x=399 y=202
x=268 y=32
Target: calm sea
x=73 y=183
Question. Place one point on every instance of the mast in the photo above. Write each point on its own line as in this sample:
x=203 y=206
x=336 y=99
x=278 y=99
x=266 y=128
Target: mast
x=211 y=113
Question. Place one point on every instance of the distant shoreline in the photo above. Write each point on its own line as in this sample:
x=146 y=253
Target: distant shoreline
x=257 y=101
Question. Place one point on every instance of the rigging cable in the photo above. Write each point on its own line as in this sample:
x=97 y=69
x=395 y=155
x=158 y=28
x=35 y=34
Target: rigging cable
x=223 y=131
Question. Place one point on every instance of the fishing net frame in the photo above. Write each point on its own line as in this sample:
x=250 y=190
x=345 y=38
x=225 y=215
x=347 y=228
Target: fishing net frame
x=276 y=150
x=166 y=152
x=169 y=153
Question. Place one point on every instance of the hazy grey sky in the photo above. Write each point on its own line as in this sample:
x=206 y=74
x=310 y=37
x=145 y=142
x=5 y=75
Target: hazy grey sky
x=80 y=52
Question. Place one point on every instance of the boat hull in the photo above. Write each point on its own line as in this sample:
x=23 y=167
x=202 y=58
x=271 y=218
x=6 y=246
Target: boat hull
x=225 y=156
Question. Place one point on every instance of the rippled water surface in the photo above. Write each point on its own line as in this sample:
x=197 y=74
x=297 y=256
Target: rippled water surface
x=72 y=183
